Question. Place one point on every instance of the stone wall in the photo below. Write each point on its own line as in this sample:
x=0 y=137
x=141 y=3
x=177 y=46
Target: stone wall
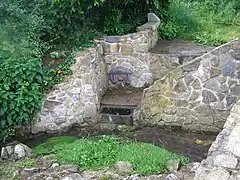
x=197 y=95
x=131 y=51
x=222 y=162
x=77 y=98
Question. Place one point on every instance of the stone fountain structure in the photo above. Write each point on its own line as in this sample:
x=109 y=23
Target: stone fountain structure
x=137 y=80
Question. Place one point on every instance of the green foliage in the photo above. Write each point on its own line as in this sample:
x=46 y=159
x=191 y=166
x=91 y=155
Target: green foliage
x=32 y=28
x=204 y=21
x=106 y=151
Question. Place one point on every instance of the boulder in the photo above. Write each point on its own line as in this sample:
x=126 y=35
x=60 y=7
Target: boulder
x=15 y=151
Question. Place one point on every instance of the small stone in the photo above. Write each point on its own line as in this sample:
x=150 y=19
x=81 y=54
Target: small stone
x=124 y=167
x=74 y=176
x=231 y=100
x=31 y=171
x=114 y=47
x=54 y=165
x=236 y=90
x=193 y=166
x=172 y=177
x=4 y=153
x=196 y=84
x=19 y=151
x=208 y=97
x=49 y=178
x=173 y=165
x=214 y=72
x=194 y=95
x=213 y=84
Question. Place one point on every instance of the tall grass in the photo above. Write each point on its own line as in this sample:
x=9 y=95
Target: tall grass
x=204 y=21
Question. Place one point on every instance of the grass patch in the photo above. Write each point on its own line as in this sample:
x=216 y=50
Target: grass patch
x=106 y=151
x=53 y=144
x=9 y=170
x=205 y=22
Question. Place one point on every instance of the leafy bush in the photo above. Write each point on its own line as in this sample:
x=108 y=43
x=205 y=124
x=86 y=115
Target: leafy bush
x=32 y=28
x=107 y=150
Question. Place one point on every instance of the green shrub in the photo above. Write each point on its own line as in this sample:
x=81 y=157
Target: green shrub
x=107 y=150
x=31 y=29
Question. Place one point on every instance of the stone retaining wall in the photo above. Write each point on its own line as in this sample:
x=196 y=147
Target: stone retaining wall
x=222 y=162
x=197 y=95
x=77 y=99
x=131 y=52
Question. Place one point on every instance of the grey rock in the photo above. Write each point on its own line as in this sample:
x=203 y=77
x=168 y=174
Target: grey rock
x=234 y=141
x=226 y=161
x=172 y=177
x=192 y=167
x=4 y=153
x=74 y=176
x=31 y=171
x=49 y=178
x=213 y=84
x=153 y=17
x=173 y=165
x=123 y=167
x=231 y=100
x=196 y=84
x=19 y=151
x=208 y=97
x=54 y=165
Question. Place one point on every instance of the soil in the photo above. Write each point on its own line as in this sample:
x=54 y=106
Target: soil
x=47 y=60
